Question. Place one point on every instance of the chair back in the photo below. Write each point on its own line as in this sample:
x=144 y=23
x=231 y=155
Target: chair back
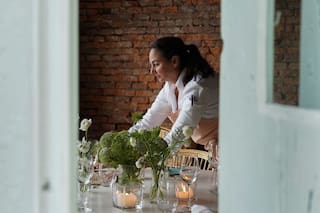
x=200 y=154
x=163 y=131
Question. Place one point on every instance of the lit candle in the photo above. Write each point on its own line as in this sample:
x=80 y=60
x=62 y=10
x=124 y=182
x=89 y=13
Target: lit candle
x=183 y=191
x=126 y=200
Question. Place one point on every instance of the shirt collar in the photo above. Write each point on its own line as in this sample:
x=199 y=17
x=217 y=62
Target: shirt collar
x=179 y=82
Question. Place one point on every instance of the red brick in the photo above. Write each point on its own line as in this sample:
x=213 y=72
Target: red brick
x=140 y=86
x=143 y=93
x=154 y=85
x=146 y=78
x=139 y=100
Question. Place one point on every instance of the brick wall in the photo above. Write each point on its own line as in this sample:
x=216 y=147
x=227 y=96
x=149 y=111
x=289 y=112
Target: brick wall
x=286 y=52
x=114 y=43
x=114 y=40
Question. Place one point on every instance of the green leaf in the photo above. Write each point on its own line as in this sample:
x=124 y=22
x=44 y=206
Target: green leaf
x=136 y=116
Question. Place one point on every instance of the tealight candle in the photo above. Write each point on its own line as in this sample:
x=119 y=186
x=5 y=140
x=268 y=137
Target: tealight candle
x=126 y=200
x=183 y=191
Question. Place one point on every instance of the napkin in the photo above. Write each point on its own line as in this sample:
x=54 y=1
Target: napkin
x=200 y=209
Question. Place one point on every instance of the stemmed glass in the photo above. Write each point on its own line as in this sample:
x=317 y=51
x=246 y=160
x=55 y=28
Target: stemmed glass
x=85 y=172
x=189 y=172
x=214 y=163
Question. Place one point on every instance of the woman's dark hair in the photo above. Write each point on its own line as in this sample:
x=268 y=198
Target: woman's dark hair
x=190 y=57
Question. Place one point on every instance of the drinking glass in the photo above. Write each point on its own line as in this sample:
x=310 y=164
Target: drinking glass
x=84 y=175
x=214 y=164
x=189 y=172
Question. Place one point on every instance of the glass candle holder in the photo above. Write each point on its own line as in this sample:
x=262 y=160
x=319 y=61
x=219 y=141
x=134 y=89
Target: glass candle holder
x=128 y=196
x=184 y=192
x=185 y=195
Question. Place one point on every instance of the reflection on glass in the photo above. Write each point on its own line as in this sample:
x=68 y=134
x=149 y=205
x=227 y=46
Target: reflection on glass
x=286 y=52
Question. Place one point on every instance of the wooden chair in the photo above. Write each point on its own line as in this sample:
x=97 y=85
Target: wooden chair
x=164 y=131
x=200 y=154
x=184 y=154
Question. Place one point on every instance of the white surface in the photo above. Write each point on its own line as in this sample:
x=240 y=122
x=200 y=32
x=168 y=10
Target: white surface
x=200 y=209
x=269 y=153
x=100 y=199
x=16 y=95
x=38 y=78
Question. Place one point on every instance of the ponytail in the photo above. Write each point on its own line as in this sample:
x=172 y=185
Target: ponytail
x=195 y=64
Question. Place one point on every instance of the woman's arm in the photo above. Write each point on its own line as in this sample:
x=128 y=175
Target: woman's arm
x=200 y=100
x=156 y=114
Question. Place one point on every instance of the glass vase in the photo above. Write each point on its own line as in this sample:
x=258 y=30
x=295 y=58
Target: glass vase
x=166 y=195
x=127 y=190
x=154 y=185
x=127 y=196
x=159 y=172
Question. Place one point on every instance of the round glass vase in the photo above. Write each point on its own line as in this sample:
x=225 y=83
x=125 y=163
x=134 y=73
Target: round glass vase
x=127 y=190
x=127 y=196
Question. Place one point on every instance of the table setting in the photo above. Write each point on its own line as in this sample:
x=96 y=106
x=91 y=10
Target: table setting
x=140 y=172
x=99 y=198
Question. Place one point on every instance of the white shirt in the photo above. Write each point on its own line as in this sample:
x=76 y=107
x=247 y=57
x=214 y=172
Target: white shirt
x=197 y=99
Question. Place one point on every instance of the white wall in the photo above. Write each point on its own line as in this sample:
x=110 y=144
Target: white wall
x=38 y=78
x=17 y=159
x=270 y=153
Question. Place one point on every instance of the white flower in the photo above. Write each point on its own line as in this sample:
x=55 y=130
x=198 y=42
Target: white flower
x=133 y=141
x=146 y=154
x=140 y=162
x=187 y=131
x=85 y=124
x=84 y=140
x=84 y=147
x=186 y=143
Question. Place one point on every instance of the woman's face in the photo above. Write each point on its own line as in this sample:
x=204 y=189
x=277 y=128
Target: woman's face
x=162 y=68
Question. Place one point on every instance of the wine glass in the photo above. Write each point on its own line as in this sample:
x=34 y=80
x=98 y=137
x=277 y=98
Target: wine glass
x=85 y=172
x=189 y=172
x=214 y=163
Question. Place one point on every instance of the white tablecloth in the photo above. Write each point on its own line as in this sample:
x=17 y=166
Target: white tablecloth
x=100 y=199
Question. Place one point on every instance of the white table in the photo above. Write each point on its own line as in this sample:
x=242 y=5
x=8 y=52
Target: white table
x=100 y=199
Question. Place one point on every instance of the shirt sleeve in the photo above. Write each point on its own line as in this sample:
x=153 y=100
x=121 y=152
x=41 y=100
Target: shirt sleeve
x=196 y=99
x=156 y=114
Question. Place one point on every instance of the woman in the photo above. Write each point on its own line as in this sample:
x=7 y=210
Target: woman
x=189 y=95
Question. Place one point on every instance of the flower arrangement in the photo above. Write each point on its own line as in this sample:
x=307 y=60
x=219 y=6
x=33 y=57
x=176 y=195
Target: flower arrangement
x=115 y=150
x=132 y=151
x=143 y=148
x=156 y=151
